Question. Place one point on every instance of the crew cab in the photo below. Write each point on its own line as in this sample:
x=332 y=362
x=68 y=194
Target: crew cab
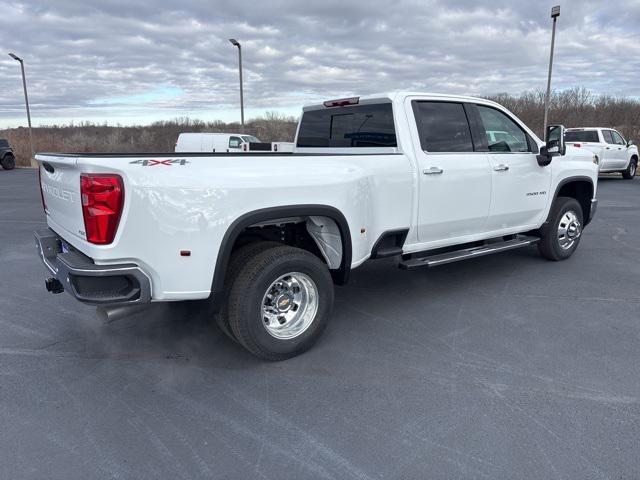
x=615 y=154
x=262 y=238
x=7 y=158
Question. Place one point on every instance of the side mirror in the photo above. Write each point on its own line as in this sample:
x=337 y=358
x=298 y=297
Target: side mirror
x=554 y=146
x=629 y=143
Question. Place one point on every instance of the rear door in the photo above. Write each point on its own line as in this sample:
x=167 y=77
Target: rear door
x=455 y=180
x=520 y=187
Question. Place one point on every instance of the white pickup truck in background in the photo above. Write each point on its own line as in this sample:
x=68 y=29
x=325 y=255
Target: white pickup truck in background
x=615 y=154
x=263 y=237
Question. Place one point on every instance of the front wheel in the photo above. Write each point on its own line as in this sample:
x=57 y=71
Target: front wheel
x=630 y=172
x=280 y=302
x=8 y=162
x=561 y=236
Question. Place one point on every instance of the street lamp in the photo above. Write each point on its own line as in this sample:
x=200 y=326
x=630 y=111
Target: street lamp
x=236 y=43
x=26 y=101
x=555 y=13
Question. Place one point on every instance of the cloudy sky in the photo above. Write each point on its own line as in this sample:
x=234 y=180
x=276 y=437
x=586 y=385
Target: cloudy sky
x=132 y=61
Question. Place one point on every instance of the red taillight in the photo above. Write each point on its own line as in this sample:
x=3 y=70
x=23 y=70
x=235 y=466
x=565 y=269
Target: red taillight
x=577 y=145
x=102 y=201
x=44 y=205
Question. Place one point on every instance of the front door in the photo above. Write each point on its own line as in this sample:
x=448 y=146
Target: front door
x=520 y=187
x=619 y=148
x=609 y=151
x=455 y=180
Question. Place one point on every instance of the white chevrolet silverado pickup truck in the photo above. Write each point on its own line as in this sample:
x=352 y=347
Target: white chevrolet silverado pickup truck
x=615 y=154
x=264 y=237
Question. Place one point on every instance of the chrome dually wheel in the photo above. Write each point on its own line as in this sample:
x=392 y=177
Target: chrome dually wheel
x=569 y=229
x=563 y=229
x=279 y=301
x=289 y=305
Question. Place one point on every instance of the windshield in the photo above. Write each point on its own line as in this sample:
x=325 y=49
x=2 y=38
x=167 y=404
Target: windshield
x=581 y=136
x=250 y=138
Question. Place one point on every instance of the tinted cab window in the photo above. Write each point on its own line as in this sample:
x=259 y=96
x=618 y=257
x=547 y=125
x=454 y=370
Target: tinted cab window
x=582 y=136
x=617 y=138
x=503 y=134
x=442 y=126
x=356 y=126
x=608 y=138
x=234 y=142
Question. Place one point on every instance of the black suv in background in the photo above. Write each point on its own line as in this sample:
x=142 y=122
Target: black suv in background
x=7 y=158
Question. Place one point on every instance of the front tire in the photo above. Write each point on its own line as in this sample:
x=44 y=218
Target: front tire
x=280 y=302
x=630 y=172
x=561 y=237
x=8 y=162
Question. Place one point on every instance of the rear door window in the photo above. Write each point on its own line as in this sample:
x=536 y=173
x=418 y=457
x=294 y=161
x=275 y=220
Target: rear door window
x=582 y=136
x=355 y=126
x=442 y=126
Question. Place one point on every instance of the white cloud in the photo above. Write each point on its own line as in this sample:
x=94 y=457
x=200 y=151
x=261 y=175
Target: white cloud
x=80 y=54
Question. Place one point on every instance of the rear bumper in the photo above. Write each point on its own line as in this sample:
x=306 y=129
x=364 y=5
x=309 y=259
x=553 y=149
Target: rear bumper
x=88 y=282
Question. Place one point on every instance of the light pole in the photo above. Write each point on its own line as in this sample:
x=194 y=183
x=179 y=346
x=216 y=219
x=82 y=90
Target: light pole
x=26 y=101
x=555 y=13
x=237 y=44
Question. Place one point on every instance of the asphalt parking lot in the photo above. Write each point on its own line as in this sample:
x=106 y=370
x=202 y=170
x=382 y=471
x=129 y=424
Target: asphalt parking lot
x=507 y=366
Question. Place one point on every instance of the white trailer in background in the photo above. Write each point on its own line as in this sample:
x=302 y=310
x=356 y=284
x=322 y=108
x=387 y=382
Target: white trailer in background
x=213 y=142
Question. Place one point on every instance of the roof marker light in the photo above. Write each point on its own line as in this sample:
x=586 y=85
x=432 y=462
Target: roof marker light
x=341 y=102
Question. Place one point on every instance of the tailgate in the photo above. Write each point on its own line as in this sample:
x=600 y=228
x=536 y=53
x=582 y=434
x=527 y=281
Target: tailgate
x=592 y=147
x=60 y=182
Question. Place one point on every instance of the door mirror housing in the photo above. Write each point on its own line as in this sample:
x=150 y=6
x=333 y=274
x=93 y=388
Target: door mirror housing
x=554 y=146
x=629 y=143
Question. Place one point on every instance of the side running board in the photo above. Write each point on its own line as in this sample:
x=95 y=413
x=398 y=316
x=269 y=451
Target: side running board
x=466 y=253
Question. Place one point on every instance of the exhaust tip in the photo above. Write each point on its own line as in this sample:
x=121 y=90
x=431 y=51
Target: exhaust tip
x=109 y=314
x=53 y=285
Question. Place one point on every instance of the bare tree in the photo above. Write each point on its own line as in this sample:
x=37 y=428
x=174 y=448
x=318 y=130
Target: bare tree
x=576 y=107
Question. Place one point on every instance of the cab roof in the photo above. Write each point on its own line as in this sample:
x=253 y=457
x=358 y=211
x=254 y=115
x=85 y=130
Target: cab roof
x=397 y=96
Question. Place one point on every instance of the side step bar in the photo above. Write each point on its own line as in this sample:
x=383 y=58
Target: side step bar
x=466 y=253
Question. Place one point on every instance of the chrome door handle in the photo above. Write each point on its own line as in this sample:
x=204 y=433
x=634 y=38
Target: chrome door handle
x=432 y=171
x=501 y=168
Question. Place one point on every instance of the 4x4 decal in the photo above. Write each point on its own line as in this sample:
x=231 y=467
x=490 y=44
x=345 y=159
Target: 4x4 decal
x=166 y=163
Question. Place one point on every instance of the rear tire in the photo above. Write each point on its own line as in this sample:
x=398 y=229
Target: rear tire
x=563 y=231
x=630 y=172
x=237 y=261
x=8 y=162
x=280 y=302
